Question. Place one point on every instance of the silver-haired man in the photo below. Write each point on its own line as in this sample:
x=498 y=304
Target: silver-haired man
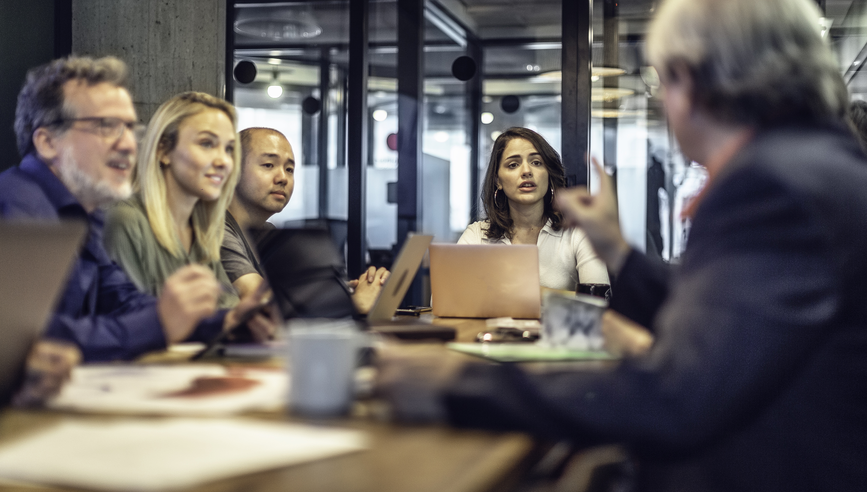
x=744 y=369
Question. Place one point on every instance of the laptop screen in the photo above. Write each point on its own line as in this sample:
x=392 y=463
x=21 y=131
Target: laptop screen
x=485 y=280
x=305 y=271
x=35 y=259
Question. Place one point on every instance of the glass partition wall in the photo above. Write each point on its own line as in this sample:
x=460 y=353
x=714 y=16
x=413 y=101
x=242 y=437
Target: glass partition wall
x=468 y=70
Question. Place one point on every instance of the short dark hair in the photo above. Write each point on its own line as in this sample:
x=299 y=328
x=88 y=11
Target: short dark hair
x=497 y=210
x=41 y=101
x=246 y=136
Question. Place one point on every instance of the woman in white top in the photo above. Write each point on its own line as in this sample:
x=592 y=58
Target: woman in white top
x=518 y=196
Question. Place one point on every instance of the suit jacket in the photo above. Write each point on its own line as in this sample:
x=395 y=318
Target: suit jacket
x=758 y=376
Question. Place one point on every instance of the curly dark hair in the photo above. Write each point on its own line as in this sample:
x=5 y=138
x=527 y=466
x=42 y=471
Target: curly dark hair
x=497 y=211
x=41 y=101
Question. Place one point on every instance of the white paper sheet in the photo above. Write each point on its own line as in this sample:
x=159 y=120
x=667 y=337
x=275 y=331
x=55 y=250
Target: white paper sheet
x=169 y=390
x=152 y=455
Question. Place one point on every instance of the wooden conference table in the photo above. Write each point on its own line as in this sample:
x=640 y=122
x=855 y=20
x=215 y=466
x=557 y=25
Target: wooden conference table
x=401 y=458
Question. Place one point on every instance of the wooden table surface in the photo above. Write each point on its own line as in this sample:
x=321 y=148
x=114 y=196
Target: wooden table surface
x=466 y=328
x=401 y=458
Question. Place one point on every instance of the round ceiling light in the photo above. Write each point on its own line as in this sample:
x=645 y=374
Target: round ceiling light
x=275 y=90
x=615 y=113
x=598 y=72
x=280 y=26
x=608 y=94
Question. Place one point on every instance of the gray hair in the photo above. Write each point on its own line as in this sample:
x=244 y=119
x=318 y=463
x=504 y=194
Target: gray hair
x=41 y=100
x=754 y=62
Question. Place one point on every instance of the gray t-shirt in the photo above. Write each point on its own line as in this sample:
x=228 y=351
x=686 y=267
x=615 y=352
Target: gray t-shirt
x=237 y=254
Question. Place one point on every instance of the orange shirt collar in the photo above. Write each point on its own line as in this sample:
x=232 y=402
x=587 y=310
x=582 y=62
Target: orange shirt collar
x=714 y=164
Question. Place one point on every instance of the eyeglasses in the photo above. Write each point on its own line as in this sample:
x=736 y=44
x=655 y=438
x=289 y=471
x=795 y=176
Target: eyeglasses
x=111 y=128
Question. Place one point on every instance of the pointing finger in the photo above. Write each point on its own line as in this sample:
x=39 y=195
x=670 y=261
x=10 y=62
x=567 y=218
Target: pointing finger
x=606 y=186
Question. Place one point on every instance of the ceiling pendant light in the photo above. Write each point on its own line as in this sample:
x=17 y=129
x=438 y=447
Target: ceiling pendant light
x=275 y=90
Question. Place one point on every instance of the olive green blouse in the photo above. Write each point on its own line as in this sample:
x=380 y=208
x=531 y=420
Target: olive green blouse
x=131 y=243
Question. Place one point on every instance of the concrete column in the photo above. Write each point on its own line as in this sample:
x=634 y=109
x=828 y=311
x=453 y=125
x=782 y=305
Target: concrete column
x=170 y=46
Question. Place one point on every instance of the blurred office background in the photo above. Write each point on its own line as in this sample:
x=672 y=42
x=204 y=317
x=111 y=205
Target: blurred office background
x=392 y=106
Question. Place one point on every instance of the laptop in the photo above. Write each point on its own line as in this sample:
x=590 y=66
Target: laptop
x=35 y=259
x=305 y=272
x=485 y=280
x=402 y=272
x=381 y=318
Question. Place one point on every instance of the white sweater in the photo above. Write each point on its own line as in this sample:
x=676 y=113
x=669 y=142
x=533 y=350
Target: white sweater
x=566 y=257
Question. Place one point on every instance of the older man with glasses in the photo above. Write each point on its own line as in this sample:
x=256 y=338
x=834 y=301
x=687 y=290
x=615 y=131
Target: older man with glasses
x=77 y=130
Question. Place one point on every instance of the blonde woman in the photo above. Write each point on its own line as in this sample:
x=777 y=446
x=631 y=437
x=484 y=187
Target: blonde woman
x=185 y=177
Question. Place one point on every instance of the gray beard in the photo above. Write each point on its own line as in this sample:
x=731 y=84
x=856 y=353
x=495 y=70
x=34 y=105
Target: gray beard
x=85 y=188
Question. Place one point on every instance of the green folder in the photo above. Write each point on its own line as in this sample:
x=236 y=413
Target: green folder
x=527 y=352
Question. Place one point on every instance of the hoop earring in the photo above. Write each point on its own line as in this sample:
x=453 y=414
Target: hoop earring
x=495 y=198
x=551 y=186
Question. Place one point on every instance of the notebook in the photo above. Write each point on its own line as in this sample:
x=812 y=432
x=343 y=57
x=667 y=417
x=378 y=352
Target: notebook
x=485 y=280
x=35 y=259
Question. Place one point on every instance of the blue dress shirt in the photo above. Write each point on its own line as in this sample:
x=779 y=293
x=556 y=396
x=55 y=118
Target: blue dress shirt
x=101 y=310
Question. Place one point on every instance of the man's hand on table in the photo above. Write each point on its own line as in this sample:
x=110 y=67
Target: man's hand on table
x=411 y=379
x=596 y=215
x=623 y=337
x=367 y=288
x=49 y=365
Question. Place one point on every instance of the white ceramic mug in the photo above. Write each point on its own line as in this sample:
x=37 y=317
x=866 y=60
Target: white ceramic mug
x=572 y=321
x=323 y=355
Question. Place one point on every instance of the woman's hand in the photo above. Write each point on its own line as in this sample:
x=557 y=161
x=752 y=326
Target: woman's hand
x=623 y=337
x=261 y=316
x=597 y=216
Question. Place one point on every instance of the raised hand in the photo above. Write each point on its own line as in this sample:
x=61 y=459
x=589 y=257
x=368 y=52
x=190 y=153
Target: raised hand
x=597 y=216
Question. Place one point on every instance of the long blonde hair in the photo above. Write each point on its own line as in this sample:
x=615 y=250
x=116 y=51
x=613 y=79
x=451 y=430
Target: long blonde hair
x=208 y=218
